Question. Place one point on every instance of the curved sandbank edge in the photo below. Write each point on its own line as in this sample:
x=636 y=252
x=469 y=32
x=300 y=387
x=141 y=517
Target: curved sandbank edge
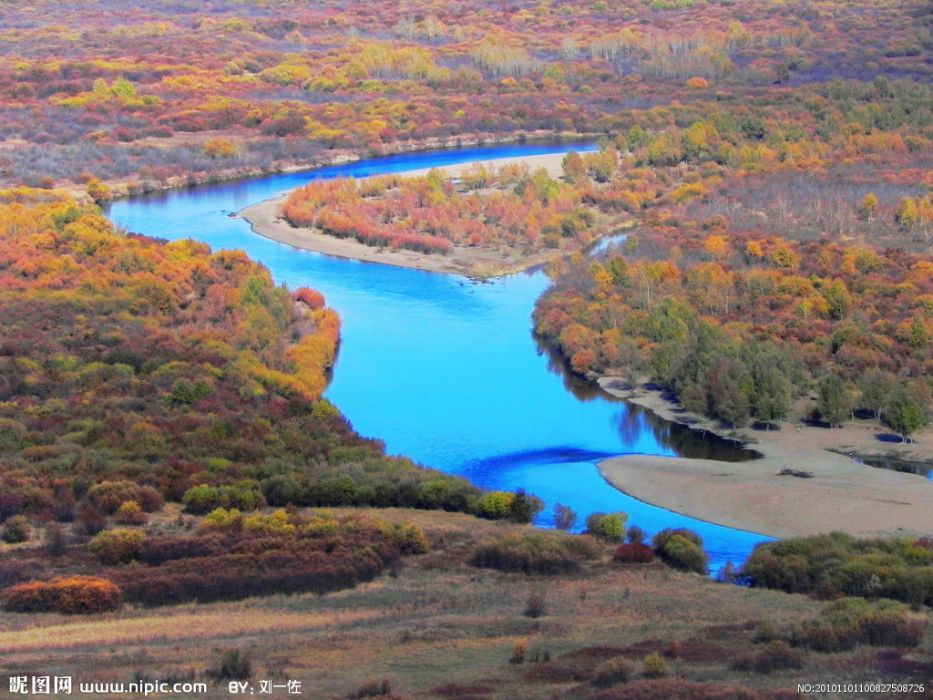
x=841 y=494
x=265 y=220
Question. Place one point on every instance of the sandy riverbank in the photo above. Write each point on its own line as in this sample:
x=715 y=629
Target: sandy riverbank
x=841 y=495
x=266 y=220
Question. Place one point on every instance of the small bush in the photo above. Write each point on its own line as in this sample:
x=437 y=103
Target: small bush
x=235 y=665
x=108 y=496
x=564 y=517
x=90 y=520
x=891 y=628
x=655 y=666
x=534 y=553
x=611 y=672
x=524 y=507
x=71 y=595
x=494 y=505
x=662 y=537
x=635 y=535
x=372 y=689
x=634 y=554
x=681 y=549
x=822 y=637
x=519 y=651
x=130 y=513
x=536 y=606
x=118 y=546
x=519 y=507
x=55 y=544
x=765 y=632
x=776 y=656
x=852 y=621
x=410 y=539
x=728 y=573
x=203 y=499
x=607 y=526
x=15 y=530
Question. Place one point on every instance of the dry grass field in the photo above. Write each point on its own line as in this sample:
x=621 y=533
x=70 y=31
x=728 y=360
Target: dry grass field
x=440 y=628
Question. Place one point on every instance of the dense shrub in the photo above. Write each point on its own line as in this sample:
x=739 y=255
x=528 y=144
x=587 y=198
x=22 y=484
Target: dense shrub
x=278 y=571
x=15 y=530
x=680 y=689
x=410 y=539
x=72 y=595
x=158 y=550
x=564 y=517
x=775 y=656
x=607 y=526
x=662 y=537
x=635 y=535
x=108 y=496
x=316 y=554
x=655 y=666
x=851 y=621
x=54 y=539
x=535 y=553
x=130 y=513
x=363 y=481
x=536 y=606
x=372 y=688
x=203 y=499
x=118 y=546
x=518 y=507
x=234 y=665
x=682 y=549
x=839 y=564
x=611 y=672
x=634 y=553
x=200 y=381
x=434 y=213
x=90 y=521
x=495 y=504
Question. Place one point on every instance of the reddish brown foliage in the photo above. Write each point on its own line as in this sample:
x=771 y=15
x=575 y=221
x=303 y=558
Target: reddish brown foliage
x=73 y=595
x=634 y=553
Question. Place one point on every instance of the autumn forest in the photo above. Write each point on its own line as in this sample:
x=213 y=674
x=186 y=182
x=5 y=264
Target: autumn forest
x=740 y=229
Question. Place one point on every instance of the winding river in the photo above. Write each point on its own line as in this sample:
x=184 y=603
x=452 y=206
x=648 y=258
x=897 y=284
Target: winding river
x=445 y=370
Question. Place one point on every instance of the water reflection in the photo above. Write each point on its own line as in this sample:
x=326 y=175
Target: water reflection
x=635 y=420
x=899 y=465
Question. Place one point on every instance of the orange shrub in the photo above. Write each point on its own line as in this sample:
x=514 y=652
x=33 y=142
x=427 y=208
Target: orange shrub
x=311 y=297
x=70 y=595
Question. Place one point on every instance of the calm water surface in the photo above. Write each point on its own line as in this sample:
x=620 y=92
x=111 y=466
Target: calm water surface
x=445 y=370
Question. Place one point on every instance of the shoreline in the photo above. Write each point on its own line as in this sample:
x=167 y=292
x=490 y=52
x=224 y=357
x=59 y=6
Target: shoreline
x=265 y=220
x=841 y=494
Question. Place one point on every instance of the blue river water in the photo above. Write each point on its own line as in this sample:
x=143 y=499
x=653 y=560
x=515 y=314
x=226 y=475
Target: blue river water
x=445 y=370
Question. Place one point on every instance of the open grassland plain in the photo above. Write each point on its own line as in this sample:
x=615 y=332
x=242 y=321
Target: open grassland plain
x=439 y=628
